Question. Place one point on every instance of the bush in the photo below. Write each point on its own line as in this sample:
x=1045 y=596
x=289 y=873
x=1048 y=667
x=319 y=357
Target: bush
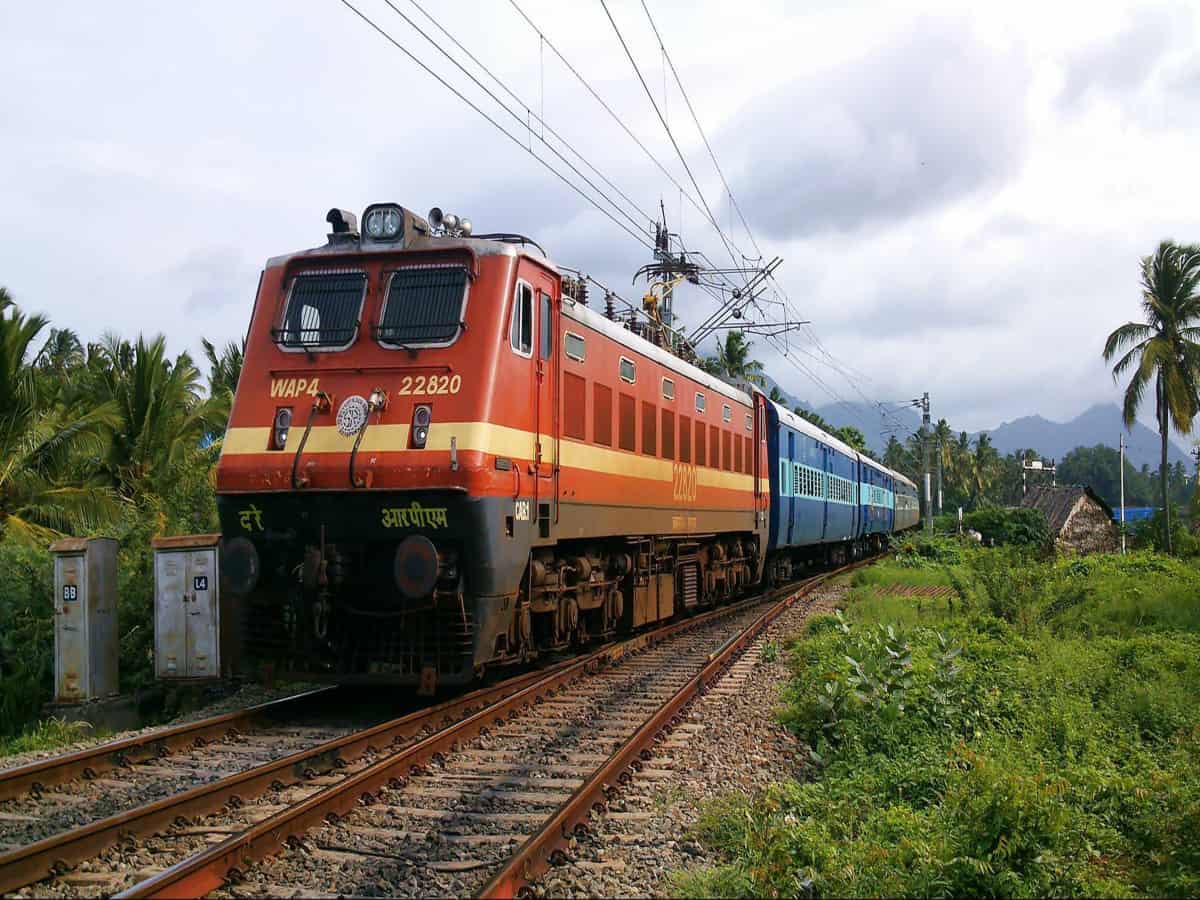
x=1022 y=527
x=26 y=635
x=1052 y=756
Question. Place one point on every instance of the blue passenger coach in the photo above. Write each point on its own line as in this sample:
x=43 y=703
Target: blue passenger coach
x=829 y=503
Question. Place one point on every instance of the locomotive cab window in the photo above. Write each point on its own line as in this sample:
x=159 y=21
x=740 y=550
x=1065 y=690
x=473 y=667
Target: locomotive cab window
x=322 y=311
x=726 y=413
x=424 y=306
x=521 y=332
x=700 y=402
x=628 y=370
x=546 y=321
x=668 y=389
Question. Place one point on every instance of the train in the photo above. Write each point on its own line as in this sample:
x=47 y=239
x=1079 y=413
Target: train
x=441 y=461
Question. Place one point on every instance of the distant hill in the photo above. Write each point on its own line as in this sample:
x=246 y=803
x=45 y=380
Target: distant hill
x=1101 y=424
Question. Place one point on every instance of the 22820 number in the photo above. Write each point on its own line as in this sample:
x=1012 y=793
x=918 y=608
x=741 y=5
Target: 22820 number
x=430 y=385
x=683 y=482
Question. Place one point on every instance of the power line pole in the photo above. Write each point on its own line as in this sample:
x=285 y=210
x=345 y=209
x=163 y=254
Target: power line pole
x=1122 y=438
x=924 y=404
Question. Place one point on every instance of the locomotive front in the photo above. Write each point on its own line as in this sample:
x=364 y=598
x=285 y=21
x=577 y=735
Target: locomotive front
x=377 y=486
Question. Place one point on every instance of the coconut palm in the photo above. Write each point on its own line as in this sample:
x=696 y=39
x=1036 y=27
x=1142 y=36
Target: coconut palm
x=1163 y=349
x=224 y=372
x=41 y=491
x=733 y=360
x=160 y=414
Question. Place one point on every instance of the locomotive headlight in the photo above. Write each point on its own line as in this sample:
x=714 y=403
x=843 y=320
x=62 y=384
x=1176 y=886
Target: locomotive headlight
x=283 y=423
x=382 y=223
x=422 y=416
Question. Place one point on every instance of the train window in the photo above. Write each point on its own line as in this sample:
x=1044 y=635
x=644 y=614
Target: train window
x=573 y=346
x=521 y=332
x=649 y=429
x=700 y=403
x=627 y=422
x=322 y=311
x=602 y=414
x=424 y=306
x=685 y=439
x=668 y=387
x=574 y=406
x=668 y=434
x=714 y=446
x=726 y=413
x=627 y=370
x=700 y=456
x=749 y=422
x=546 y=320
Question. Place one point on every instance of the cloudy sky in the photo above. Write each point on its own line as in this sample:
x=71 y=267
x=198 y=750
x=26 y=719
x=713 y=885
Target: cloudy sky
x=960 y=200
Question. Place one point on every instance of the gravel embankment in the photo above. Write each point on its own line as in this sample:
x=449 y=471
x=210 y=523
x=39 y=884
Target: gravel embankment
x=246 y=696
x=729 y=742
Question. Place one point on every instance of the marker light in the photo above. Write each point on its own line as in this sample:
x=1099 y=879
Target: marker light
x=283 y=422
x=383 y=223
x=422 y=416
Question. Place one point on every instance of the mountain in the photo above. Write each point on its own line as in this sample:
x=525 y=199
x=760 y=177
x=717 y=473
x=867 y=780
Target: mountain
x=1101 y=424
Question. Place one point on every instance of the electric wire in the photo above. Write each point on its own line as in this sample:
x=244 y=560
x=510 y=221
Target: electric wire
x=539 y=118
x=442 y=50
x=678 y=152
x=516 y=140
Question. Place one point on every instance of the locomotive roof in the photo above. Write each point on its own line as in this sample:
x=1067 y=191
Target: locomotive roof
x=480 y=246
x=622 y=335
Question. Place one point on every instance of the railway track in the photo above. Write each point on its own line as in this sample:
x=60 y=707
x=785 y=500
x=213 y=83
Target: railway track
x=476 y=794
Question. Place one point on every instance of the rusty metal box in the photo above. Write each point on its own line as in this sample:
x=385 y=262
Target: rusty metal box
x=187 y=607
x=85 y=619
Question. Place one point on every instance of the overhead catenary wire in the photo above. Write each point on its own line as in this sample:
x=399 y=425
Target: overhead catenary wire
x=539 y=117
x=499 y=127
x=670 y=135
x=696 y=119
x=442 y=50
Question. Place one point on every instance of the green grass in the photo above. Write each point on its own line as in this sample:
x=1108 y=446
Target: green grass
x=1038 y=736
x=48 y=734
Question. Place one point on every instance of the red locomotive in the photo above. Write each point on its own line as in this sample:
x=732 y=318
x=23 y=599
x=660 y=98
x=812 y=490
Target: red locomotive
x=438 y=461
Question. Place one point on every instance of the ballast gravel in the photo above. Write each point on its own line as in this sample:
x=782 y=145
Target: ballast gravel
x=730 y=742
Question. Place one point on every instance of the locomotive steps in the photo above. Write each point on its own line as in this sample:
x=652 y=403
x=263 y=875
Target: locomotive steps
x=435 y=802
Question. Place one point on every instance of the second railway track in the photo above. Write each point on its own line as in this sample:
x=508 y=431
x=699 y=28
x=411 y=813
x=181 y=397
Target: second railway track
x=477 y=794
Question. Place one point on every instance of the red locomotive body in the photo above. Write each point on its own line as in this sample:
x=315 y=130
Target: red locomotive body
x=436 y=463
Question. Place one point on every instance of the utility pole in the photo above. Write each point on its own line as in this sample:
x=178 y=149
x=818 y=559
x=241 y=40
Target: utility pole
x=924 y=404
x=1122 y=493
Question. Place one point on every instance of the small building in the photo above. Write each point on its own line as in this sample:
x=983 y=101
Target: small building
x=1080 y=521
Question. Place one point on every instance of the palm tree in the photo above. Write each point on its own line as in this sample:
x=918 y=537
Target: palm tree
x=1163 y=349
x=225 y=370
x=41 y=494
x=733 y=360
x=160 y=414
x=776 y=396
x=984 y=468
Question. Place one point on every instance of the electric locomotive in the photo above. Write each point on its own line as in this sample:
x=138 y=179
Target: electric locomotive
x=440 y=460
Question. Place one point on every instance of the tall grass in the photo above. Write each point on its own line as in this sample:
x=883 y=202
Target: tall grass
x=1028 y=741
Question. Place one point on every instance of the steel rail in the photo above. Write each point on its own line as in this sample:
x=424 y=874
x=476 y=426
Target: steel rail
x=207 y=870
x=57 y=853
x=549 y=844
x=44 y=773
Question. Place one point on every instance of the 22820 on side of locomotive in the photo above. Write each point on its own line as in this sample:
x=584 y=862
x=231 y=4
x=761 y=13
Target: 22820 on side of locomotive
x=439 y=460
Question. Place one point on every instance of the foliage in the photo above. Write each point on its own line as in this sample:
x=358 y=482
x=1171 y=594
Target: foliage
x=1024 y=527
x=733 y=360
x=108 y=438
x=1055 y=760
x=48 y=734
x=1164 y=349
x=1099 y=468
